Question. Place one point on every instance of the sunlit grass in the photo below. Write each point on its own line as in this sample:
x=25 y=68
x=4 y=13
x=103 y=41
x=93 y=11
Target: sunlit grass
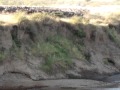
x=11 y=18
x=102 y=18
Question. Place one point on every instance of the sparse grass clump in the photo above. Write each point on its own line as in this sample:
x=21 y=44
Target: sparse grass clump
x=52 y=54
x=58 y=52
x=78 y=20
x=114 y=36
x=2 y=56
x=80 y=33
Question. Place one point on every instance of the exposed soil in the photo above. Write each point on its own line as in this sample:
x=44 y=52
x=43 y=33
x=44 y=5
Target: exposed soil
x=95 y=59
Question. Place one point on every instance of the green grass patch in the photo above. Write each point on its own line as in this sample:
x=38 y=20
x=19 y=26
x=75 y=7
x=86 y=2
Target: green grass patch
x=2 y=56
x=114 y=36
x=58 y=52
x=81 y=33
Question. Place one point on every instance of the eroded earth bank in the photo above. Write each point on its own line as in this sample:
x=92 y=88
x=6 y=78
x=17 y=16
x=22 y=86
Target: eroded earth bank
x=40 y=49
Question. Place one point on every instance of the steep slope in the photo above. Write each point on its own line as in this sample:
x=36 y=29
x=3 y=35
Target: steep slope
x=41 y=46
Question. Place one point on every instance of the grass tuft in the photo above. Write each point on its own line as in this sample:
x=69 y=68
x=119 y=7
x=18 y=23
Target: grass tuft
x=114 y=36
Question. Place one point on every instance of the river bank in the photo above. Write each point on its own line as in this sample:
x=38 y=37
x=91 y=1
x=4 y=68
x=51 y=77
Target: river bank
x=63 y=84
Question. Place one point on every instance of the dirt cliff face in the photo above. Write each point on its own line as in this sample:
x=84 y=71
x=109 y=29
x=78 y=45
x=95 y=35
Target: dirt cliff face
x=47 y=48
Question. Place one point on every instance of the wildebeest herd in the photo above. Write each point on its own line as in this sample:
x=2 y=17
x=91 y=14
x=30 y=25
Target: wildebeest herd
x=59 y=11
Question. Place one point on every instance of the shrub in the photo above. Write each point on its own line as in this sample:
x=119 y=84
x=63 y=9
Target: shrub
x=114 y=36
x=81 y=33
